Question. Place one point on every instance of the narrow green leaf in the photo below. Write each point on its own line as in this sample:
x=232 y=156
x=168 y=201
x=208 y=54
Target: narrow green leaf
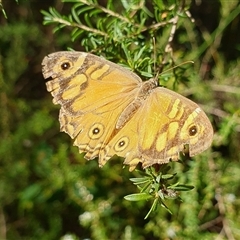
x=168 y=176
x=181 y=187
x=153 y=207
x=138 y=197
x=140 y=180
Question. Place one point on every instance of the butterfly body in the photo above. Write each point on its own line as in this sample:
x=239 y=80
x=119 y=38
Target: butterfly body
x=109 y=110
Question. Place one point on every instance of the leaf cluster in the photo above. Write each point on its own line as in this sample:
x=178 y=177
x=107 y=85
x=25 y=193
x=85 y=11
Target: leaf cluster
x=124 y=31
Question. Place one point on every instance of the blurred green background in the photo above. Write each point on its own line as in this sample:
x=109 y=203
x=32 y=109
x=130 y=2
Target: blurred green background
x=49 y=191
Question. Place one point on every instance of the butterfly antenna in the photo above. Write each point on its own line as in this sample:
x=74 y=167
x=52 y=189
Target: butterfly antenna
x=154 y=54
x=192 y=62
x=160 y=68
x=156 y=72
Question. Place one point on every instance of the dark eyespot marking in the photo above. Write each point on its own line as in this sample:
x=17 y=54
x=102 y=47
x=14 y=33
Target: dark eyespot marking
x=121 y=144
x=96 y=131
x=65 y=65
x=193 y=130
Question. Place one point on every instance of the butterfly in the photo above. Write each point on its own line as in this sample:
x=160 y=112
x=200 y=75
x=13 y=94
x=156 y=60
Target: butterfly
x=108 y=110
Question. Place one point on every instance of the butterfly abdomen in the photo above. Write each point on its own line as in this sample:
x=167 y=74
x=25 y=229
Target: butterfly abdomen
x=128 y=113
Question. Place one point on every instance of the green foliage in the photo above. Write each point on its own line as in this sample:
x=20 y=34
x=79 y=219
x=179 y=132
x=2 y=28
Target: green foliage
x=126 y=38
x=155 y=185
x=49 y=191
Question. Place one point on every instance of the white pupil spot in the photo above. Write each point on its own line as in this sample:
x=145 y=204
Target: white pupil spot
x=96 y=131
x=122 y=143
x=65 y=66
x=193 y=130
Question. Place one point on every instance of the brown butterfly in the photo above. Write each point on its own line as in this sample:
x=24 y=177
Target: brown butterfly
x=109 y=110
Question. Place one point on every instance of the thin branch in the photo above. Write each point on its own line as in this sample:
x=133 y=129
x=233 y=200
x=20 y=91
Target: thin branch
x=109 y=12
x=222 y=210
x=210 y=224
x=81 y=26
x=225 y=88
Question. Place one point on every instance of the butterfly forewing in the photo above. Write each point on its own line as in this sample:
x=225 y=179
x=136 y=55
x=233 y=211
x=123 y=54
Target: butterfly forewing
x=89 y=83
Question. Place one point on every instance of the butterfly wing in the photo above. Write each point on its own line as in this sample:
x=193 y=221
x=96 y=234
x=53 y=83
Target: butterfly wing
x=83 y=82
x=160 y=129
x=92 y=93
